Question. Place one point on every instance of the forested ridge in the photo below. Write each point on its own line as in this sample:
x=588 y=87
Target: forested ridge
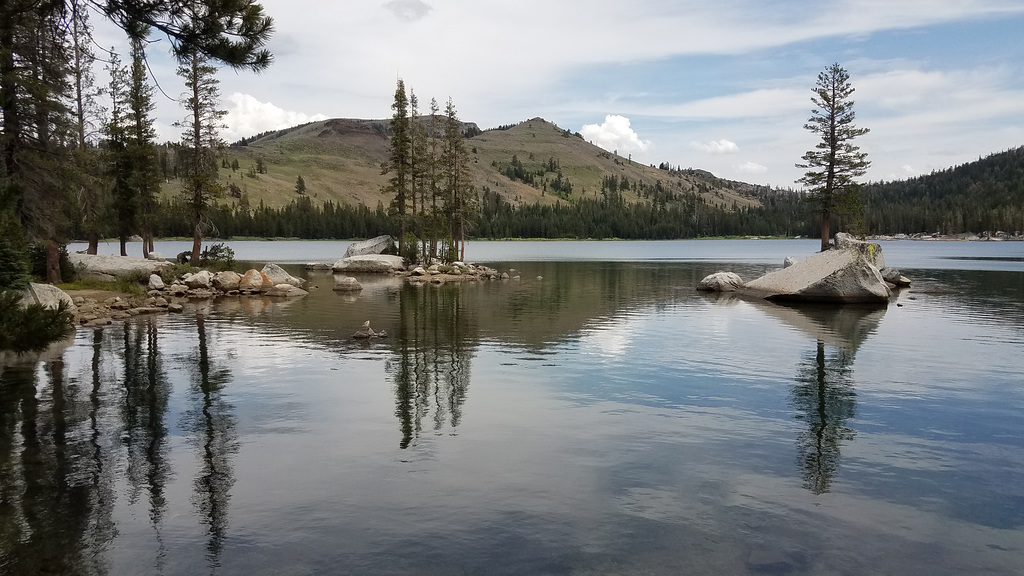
x=985 y=195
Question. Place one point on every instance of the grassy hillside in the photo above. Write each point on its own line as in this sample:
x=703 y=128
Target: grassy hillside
x=340 y=160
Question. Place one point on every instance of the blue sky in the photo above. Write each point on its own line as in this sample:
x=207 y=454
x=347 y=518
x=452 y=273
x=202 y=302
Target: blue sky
x=723 y=86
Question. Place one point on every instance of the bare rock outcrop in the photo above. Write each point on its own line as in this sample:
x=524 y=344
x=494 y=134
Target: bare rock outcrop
x=842 y=275
x=378 y=245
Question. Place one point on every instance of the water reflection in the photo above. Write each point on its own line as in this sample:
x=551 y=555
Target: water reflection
x=434 y=346
x=823 y=393
x=143 y=412
x=212 y=425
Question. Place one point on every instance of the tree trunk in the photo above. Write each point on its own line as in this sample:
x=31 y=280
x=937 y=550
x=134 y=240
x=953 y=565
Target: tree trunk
x=197 y=244
x=94 y=243
x=53 y=262
x=825 y=217
x=124 y=245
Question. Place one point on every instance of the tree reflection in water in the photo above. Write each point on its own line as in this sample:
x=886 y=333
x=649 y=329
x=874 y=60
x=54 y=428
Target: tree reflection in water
x=434 y=345
x=825 y=399
x=212 y=427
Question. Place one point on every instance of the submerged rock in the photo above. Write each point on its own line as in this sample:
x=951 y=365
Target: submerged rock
x=284 y=290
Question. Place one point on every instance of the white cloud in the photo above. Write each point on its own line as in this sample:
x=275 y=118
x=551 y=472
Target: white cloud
x=408 y=10
x=722 y=146
x=752 y=168
x=615 y=134
x=247 y=116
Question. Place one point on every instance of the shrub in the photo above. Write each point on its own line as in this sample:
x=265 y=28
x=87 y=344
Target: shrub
x=33 y=327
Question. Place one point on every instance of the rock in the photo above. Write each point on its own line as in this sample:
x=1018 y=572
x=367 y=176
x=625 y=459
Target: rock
x=348 y=284
x=277 y=275
x=252 y=281
x=155 y=256
x=48 y=296
x=376 y=263
x=156 y=282
x=284 y=290
x=200 y=280
x=227 y=281
x=720 y=282
x=418 y=271
x=175 y=307
x=872 y=251
x=377 y=245
x=105 y=267
x=317 y=266
x=789 y=261
x=177 y=289
x=893 y=276
x=838 y=276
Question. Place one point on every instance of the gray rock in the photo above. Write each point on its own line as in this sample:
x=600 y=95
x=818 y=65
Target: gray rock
x=839 y=276
x=373 y=263
x=277 y=276
x=285 y=290
x=48 y=296
x=377 y=245
x=720 y=282
x=105 y=267
x=348 y=284
x=200 y=280
x=317 y=266
x=789 y=261
x=893 y=276
x=872 y=251
x=418 y=271
x=227 y=280
x=155 y=256
x=175 y=307
x=156 y=282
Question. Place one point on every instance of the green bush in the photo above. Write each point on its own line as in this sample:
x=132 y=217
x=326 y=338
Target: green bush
x=14 y=269
x=33 y=327
x=217 y=256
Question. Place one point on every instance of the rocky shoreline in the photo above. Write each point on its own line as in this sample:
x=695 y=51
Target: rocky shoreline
x=997 y=236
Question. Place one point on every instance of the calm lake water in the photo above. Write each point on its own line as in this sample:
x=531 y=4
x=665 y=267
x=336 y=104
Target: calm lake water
x=603 y=419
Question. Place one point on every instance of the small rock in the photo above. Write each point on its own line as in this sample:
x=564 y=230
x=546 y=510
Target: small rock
x=175 y=307
x=789 y=261
x=348 y=284
x=156 y=282
x=720 y=282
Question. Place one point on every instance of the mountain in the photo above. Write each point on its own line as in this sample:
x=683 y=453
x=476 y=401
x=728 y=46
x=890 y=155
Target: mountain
x=340 y=160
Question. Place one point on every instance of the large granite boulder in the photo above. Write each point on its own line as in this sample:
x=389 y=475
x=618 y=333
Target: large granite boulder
x=47 y=296
x=872 y=251
x=200 y=280
x=227 y=280
x=720 y=282
x=155 y=282
x=378 y=245
x=839 y=276
x=277 y=276
x=109 y=268
x=379 y=263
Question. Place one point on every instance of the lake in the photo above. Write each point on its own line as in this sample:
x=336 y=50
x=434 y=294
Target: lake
x=597 y=416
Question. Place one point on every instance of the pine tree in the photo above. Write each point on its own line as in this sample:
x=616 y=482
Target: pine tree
x=458 y=193
x=145 y=169
x=835 y=162
x=399 y=163
x=300 y=185
x=201 y=139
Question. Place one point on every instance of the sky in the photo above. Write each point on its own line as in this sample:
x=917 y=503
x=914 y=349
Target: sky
x=723 y=86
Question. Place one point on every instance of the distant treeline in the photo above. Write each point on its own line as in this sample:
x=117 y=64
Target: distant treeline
x=974 y=197
x=987 y=195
